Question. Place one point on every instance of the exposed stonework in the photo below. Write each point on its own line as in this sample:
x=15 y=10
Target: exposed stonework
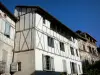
x=87 y=47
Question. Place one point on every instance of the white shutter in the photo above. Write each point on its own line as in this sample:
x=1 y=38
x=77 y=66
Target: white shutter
x=64 y=65
x=44 y=62
x=52 y=63
x=75 y=65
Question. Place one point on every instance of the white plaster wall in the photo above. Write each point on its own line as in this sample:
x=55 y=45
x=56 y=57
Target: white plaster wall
x=6 y=44
x=42 y=31
x=58 y=65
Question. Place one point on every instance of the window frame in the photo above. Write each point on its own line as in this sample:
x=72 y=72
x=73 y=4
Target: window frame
x=62 y=48
x=77 y=53
x=72 y=51
x=19 y=66
x=50 y=41
x=51 y=63
x=74 y=69
x=5 y=32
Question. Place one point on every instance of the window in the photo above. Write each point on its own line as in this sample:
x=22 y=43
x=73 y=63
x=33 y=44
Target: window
x=72 y=50
x=77 y=52
x=48 y=63
x=64 y=66
x=62 y=46
x=19 y=66
x=73 y=67
x=83 y=47
x=89 y=49
x=7 y=30
x=50 y=42
x=43 y=20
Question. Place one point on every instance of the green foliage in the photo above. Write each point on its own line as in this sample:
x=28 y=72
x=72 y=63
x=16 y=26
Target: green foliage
x=91 y=69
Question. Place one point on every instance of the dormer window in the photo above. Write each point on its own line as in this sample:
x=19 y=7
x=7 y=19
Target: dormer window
x=43 y=20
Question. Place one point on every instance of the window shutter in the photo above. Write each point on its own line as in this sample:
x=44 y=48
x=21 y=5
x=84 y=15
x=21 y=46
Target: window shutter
x=71 y=68
x=44 y=62
x=7 y=29
x=52 y=63
x=64 y=65
x=75 y=65
x=79 y=68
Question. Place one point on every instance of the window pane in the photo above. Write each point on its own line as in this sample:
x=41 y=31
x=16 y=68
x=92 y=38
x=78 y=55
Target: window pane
x=50 y=42
x=72 y=50
x=7 y=29
x=62 y=46
x=19 y=66
x=77 y=52
x=73 y=68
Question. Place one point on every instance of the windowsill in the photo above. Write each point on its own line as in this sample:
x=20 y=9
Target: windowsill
x=50 y=46
x=7 y=36
x=62 y=50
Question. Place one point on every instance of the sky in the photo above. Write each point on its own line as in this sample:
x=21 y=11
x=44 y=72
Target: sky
x=81 y=15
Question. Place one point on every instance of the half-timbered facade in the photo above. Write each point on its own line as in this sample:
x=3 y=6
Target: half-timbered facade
x=43 y=45
x=87 y=47
x=7 y=32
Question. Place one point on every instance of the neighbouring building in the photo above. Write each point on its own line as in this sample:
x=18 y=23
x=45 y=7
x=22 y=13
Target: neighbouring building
x=7 y=32
x=98 y=51
x=87 y=47
x=43 y=45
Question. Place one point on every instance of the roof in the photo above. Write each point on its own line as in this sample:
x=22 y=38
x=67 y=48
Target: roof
x=48 y=16
x=80 y=33
x=5 y=10
x=90 y=36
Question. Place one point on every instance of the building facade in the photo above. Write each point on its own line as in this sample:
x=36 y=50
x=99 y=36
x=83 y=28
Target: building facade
x=87 y=47
x=43 y=45
x=7 y=32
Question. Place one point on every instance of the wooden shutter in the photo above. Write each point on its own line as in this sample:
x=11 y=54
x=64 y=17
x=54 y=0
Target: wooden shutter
x=75 y=65
x=44 y=62
x=52 y=63
x=64 y=65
